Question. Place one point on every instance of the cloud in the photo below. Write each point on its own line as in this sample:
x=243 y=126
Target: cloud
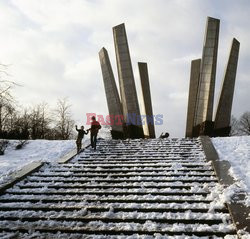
x=53 y=45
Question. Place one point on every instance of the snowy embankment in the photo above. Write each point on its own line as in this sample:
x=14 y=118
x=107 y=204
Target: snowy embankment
x=35 y=150
x=39 y=150
x=236 y=150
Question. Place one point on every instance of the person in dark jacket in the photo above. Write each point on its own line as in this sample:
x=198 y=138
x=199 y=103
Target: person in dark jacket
x=81 y=133
x=95 y=126
x=164 y=136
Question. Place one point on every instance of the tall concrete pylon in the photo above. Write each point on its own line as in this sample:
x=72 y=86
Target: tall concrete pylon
x=224 y=108
x=205 y=97
x=130 y=105
x=143 y=70
x=192 y=98
x=112 y=96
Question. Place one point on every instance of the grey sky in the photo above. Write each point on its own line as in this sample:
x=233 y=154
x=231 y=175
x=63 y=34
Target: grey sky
x=52 y=47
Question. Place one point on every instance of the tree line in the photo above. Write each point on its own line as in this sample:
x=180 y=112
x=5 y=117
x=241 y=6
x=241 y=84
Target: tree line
x=37 y=122
x=240 y=126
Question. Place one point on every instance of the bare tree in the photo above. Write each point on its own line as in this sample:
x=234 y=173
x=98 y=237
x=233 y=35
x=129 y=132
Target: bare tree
x=45 y=120
x=6 y=114
x=234 y=126
x=244 y=123
x=22 y=124
x=39 y=121
x=6 y=99
x=5 y=84
x=64 y=121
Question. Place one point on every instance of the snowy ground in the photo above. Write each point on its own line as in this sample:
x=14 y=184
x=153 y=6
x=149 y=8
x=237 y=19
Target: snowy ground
x=236 y=150
x=39 y=150
x=34 y=150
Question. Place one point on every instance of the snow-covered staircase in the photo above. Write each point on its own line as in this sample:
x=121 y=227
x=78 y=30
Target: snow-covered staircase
x=126 y=189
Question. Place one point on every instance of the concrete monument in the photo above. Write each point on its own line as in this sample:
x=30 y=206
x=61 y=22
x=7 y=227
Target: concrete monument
x=202 y=86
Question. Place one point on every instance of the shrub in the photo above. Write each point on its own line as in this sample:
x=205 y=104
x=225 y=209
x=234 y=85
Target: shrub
x=21 y=144
x=3 y=146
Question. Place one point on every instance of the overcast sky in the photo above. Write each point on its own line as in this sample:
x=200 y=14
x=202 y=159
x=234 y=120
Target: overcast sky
x=52 y=48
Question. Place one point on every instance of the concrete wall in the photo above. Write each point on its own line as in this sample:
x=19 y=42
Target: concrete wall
x=143 y=70
x=223 y=113
x=193 y=91
x=112 y=96
x=205 y=98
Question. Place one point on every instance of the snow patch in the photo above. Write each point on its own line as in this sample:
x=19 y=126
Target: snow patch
x=35 y=150
x=236 y=150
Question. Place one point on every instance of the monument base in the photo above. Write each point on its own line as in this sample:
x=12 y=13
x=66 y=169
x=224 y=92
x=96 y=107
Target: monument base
x=134 y=132
x=117 y=134
x=222 y=132
x=205 y=128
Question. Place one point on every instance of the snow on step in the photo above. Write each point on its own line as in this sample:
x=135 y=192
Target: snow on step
x=126 y=189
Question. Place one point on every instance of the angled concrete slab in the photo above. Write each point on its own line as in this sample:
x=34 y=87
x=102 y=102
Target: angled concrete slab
x=205 y=97
x=112 y=96
x=21 y=174
x=67 y=157
x=70 y=155
x=192 y=98
x=224 y=108
x=130 y=105
x=143 y=71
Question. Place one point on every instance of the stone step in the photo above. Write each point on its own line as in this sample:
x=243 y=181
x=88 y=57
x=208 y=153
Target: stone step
x=146 y=148
x=80 y=168
x=107 y=208
x=143 y=160
x=100 y=200
x=141 y=166
x=117 y=186
x=128 y=171
x=152 y=165
x=146 y=151
x=106 y=193
x=76 y=235
x=164 y=161
x=101 y=175
x=125 y=184
x=183 y=154
x=151 y=147
x=113 y=181
x=131 y=145
x=143 y=229
x=110 y=220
